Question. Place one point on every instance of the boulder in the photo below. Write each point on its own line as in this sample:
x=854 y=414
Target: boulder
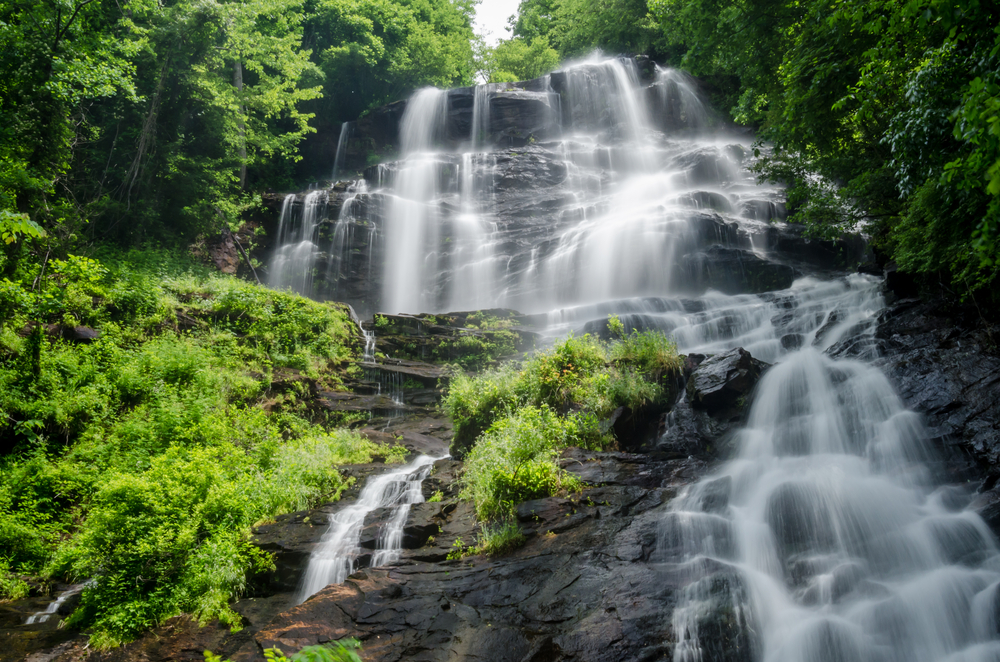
x=723 y=382
x=81 y=334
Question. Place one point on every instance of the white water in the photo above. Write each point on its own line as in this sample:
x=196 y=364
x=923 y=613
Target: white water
x=335 y=556
x=843 y=546
x=639 y=163
x=291 y=265
x=43 y=616
x=338 y=159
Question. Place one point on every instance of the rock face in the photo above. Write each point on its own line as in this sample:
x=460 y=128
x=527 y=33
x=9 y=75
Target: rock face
x=531 y=180
x=942 y=358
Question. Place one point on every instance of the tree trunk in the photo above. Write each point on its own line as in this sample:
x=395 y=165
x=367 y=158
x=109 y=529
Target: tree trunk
x=238 y=84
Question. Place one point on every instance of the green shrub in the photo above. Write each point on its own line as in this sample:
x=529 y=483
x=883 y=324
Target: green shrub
x=181 y=527
x=581 y=378
x=650 y=352
x=337 y=651
x=511 y=421
x=513 y=462
x=12 y=587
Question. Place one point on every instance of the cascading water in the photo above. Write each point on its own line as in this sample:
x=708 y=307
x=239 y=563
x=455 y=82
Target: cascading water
x=338 y=159
x=825 y=538
x=618 y=204
x=293 y=262
x=53 y=608
x=411 y=226
x=336 y=555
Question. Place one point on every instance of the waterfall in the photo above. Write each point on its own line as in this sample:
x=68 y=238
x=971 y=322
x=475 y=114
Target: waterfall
x=335 y=556
x=53 y=608
x=338 y=160
x=481 y=114
x=620 y=200
x=826 y=538
x=681 y=106
x=411 y=224
x=294 y=260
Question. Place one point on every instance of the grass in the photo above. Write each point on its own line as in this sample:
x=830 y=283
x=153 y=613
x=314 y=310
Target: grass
x=501 y=537
x=143 y=459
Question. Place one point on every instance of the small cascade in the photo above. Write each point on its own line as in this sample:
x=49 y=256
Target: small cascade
x=293 y=261
x=481 y=115
x=338 y=160
x=336 y=555
x=53 y=608
x=369 y=352
x=681 y=106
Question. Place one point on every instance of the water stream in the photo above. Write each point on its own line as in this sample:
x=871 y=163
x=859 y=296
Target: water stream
x=53 y=608
x=335 y=556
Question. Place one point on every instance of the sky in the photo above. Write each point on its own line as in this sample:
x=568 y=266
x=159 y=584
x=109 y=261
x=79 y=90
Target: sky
x=491 y=19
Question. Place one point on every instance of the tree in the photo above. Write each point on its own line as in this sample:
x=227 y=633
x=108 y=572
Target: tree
x=516 y=59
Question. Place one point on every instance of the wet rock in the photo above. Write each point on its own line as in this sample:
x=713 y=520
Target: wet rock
x=737 y=271
x=941 y=358
x=723 y=382
x=224 y=253
x=717 y=608
x=799 y=519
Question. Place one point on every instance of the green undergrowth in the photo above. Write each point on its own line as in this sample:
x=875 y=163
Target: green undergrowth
x=337 y=651
x=512 y=421
x=142 y=459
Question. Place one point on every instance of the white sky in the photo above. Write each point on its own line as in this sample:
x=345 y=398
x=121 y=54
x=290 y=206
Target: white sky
x=491 y=19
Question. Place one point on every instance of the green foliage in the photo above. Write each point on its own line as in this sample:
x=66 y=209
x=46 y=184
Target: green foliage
x=516 y=59
x=513 y=462
x=576 y=27
x=500 y=538
x=649 y=352
x=513 y=420
x=581 y=377
x=474 y=352
x=14 y=227
x=437 y=497
x=143 y=458
x=12 y=587
x=337 y=651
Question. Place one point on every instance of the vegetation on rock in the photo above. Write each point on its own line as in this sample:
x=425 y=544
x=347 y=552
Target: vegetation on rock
x=510 y=422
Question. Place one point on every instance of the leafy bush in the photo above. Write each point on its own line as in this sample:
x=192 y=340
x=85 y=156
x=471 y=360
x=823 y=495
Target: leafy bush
x=180 y=527
x=581 y=378
x=511 y=421
x=513 y=462
x=649 y=352
x=12 y=587
x=143 y=458
x=337 y=651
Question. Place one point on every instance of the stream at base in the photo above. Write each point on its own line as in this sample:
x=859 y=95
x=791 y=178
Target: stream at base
x=335 y=556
